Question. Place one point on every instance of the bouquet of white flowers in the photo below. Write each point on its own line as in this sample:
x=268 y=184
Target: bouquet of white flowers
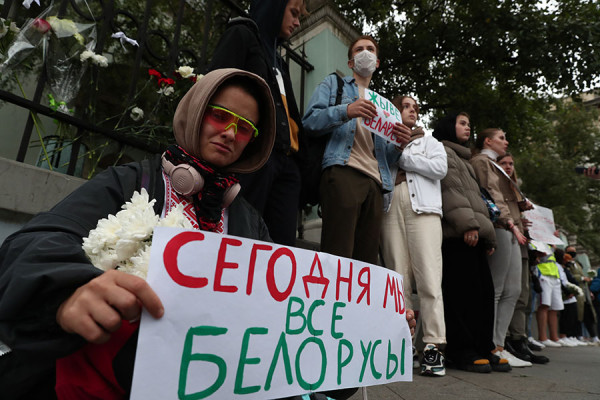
x=571 y=288
x=123 y=241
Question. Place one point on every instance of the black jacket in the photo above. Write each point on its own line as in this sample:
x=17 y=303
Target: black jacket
x=43 y=264
x=251 y=45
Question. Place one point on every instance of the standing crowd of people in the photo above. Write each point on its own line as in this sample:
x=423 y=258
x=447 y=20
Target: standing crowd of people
x=445 y=216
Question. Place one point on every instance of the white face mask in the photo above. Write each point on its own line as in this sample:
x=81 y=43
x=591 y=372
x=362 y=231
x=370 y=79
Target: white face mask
x=365 y=63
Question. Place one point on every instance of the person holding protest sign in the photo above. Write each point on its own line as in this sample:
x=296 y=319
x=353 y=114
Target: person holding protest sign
x=356 y=164
x=505 y=262
x=251 y=44
x=468 y=237
x=53 y=300
x=516 y=341
x=411 y=234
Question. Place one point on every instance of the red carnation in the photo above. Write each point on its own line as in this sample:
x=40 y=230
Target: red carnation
x=153 y=72
x=166 y=81
x=41 y=25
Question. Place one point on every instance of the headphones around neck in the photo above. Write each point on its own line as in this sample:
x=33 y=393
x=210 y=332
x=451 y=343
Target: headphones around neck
x=187 y=181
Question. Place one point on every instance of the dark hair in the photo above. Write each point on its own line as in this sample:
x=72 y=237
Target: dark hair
x=509 y=154
x=397 y=101
x=559 y=255
x=484 y=134
x=365 y=37
x=445 y=128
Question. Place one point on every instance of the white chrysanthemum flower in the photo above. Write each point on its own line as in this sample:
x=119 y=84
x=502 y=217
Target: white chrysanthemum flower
x=167 y=91
x=107 y=260
x=127 y=248
x=138 y=264
x=137 y=114
x=176 y=219
x=3 y=28
x=85 y=55
x=100 y=60
x=14 y=28
x=185 y=71
x=123 y=240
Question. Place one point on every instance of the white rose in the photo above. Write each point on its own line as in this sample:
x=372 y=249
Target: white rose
x=185 y=71
x=137 y=114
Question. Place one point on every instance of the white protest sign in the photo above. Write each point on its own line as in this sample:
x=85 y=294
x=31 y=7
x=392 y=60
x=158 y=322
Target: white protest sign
x=542 y=225
x=246 y=319
x=387 y=116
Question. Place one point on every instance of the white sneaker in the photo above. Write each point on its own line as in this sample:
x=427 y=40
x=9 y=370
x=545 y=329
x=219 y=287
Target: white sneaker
x=512 y=360
x=595 y=341
x=577 y=341
x=551 y=343
x=566 y=342
x=533 y=341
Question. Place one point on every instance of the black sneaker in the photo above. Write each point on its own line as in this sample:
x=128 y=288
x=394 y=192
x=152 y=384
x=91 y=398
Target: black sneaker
x=433 y=361
x=499 y=364
x=416 y=363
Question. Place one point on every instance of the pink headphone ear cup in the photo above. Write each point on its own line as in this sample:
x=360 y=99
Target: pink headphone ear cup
x=186 y=180
x=230 y=195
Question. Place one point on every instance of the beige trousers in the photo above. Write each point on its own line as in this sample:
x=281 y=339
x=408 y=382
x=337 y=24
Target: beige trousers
x=411 y=244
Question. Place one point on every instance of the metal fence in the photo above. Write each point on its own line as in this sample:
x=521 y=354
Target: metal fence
x=169 y=34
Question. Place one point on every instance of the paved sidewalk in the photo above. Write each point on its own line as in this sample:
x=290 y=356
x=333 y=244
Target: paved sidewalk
x=572 y=374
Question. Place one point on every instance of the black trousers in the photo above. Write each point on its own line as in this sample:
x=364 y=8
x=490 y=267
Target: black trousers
x=468 y=301
x=568 y=320
x=274 y=191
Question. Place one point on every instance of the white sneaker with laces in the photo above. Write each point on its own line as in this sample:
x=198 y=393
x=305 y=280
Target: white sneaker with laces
x=566 y=342
x=551 y=343
x=533 y=341
x=512 y=360
x=595 y=341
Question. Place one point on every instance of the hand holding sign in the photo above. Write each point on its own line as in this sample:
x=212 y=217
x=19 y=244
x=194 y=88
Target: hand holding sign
x=401 y=133
x=387 y=122
x=362 y=108
x=96 y=309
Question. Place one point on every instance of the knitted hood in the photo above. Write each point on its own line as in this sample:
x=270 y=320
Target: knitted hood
x=190 y=112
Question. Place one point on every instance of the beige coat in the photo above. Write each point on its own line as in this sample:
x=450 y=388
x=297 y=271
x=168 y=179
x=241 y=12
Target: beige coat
x=462 y=204
x=500 y=188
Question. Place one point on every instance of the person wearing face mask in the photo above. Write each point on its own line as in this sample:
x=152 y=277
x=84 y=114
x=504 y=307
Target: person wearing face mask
x=356 y=164
x=505 y=262
x=411 y=234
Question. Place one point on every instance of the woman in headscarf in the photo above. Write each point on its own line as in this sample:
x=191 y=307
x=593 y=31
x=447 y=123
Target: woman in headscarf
x=54 y=300
x=468 y=237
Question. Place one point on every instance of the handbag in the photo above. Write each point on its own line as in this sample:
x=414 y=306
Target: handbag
x=493 y=209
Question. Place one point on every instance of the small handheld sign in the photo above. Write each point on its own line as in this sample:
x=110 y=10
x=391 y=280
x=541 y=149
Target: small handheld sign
x=246 y=319
x=387 y=116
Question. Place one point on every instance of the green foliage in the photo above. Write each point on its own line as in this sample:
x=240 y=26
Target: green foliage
x=504 y=62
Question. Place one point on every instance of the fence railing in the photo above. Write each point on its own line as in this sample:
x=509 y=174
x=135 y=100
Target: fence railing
x=92 y=104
